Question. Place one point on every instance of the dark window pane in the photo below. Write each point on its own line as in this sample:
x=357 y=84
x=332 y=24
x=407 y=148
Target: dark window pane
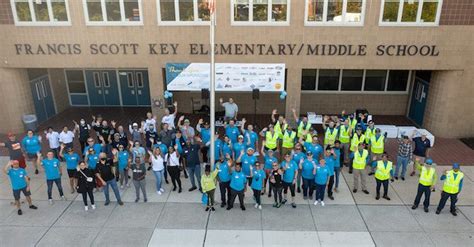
x=186 y=10
x=328 y=79
x=397 y=80
x=59 y=10
x=375 y=80
x=424 y=74
x=75 y=87
x=75 y=75
x=167 y=10
x=23 y=10
x=308 y=79
x=112 y=8
x=41 y=10
x=94 y=9
x=241 y=10
x=352 y=80
x=132 y=10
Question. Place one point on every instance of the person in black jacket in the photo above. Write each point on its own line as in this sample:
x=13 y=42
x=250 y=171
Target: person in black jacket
x=85 y=184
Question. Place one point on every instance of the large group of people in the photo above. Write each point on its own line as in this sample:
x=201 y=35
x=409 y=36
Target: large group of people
x=283 y=159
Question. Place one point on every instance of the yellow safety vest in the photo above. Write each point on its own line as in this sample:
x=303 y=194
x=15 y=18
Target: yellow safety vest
x=382 y=172
x=344 y=134
x=278 y=129
x=309 y=138
x=376 y=146
x=353 y=123
x=271 y=140
x=451 y=185
x=330 y=138
x=302 y=128
x=426 y=176
x=289 y=140
x=355 y=141
x=369 y=133
x=360 y=161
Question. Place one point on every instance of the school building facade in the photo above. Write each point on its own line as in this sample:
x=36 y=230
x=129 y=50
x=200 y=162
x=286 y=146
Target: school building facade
x=392 y=57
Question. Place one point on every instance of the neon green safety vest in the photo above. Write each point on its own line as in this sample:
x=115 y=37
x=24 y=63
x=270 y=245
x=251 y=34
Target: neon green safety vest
x=271 y=140
x=309 y=138
x=344 y=134
x=302 y=128
x=426 y=176
x=355 y=141
x=451 y=185
x=278 y=129
x=330 y=138
x=353 y=123
x=376 y=146
x=369 y=133
x=289 y=139
x=360 y=161
x=382 y=172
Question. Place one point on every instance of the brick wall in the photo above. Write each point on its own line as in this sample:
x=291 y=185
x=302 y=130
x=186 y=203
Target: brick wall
x=457 y=12
x=6 y=16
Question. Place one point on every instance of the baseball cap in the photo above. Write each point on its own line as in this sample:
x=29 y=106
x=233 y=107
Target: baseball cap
x=250 y=148
x=186 y=120
x=429 y=161
x=241 y=136
x=309 y=153
x=135 y=124
x=455 y=166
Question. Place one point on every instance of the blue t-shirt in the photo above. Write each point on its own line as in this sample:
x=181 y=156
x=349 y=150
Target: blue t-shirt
x=322 y=175
x=269 y=162
x=330 y=160
x=217 y=149
x=289 y=174
x=253 y=138
x=123 y=157
x=238 y=180
x=337 y=152
x=92 y=160
x=226 y=149
x=232 y=133
x=257 y=179
x=315 y=149
x=163 y=148
x=97 y=148
x=248 y=161
x=223 y=174
x=31 y=145
x=205 y=135
x=237 y=148
x=298 y=156
x=17 y=178
x=71 y=161
x=51 y=168
x=307 y=170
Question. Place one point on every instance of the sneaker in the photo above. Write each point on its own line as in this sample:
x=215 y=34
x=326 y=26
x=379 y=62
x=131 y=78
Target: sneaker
x=275 y=205
x=454 y=213
x=207 y=209
x=260 y=207
x=293 y=205
x=33 y=207
x=438 y=211
x=174 y=188
x=121 y=187
x=86 y=208
x=166 y=181
x=136 y=200
x=414 y=207
x=298 y=190
x=387 y=198
x=279 y=205
x=396 y=178
x=315 y=203
x=106 y=203
x=63 y=198
x=322 y=203
x=243 y=208
x=222 y=204
x=213 y=209
x=403 y=179
x=120 y=203
x=36 y=171
x=20 y=212
x=162 y=190
x=50 y=201
x=269 y=195
x=331 y=197
x=377 y=197
x=354 y=190
x=192 y=188
x=284 y=201
x=145 y=200
x=180 y=190
x=228 y=208
x=426 y=210
x=159 y=192
x=256 y=205
x=93 y=206
x=365 y=191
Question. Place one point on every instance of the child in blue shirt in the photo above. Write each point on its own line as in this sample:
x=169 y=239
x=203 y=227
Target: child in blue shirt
x=258 y=176
x=321 y=179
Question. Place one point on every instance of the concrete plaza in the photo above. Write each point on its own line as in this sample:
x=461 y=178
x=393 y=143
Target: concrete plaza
x=174 y=219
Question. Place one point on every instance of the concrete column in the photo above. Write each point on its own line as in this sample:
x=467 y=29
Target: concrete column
x=155 y=76
x=16 y=99
x=448 y=111
x=293 y=88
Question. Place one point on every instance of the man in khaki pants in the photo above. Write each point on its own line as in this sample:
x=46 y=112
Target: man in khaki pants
x=360 y=159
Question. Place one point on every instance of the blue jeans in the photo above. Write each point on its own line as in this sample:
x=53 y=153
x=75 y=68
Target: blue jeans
x=50 y=182
x=195 y=171
x=337 y=170
x=158 y=176
x=403 y=162
x=308 y=185
x=113 y=184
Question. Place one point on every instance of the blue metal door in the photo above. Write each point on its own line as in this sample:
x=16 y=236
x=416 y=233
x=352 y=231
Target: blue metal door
x=418 y=101
x=135 y=88
x=102 y=87
x=42 y=98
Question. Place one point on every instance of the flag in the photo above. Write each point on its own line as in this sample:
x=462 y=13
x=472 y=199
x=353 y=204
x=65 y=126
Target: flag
x=211 y=5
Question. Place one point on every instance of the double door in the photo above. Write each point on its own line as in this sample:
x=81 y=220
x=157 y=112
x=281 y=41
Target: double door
x=134 y=86
x=42 y=98
x=102 y=87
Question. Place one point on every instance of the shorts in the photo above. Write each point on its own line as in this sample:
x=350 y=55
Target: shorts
x=16 y=193
x=68 y=145
x=32 y=156
x=71 y=173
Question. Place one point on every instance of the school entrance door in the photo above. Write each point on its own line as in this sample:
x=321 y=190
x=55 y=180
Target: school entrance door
x=419 y=97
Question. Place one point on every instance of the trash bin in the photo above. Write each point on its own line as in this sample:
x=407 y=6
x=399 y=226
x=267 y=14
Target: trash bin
x=30 y=121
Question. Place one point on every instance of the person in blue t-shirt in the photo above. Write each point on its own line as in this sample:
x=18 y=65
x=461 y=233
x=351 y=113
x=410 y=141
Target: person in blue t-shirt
x=330 y=159
x=218 y=145
x=227 y=147
x=269 y=159
x=238 y=146
x=298 y=154
x=20 y=183
x=250 y=136
x=320 y=179
x=337 y=164
x=307 y=167
x=31 y=145
x=123 y=158
x=314 y=147
x=248 y=161
x=224 y=166
x=91 y=144
x=290 y=174
x=258 y=176
x=72 y=160
x=232 y=131
x=238 y=186
x=91 y=158
x=206 y=139
x=53 y=172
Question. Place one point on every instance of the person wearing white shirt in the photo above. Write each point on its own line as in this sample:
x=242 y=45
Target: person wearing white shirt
x=172 y=162
x=66 y=137
x=169 y=118
x=158 y=165
x=53 y=140
x=149 y=121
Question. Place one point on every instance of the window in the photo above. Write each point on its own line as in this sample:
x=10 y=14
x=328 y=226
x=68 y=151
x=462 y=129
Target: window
x=75 y=82
x=335 y=12
x=139 y=76
x=40 y=12
x=105 y=78
x=113 y=12
x=260 y=12
x=183 y=12
x=355 y=81
x=410 y=12
x=130 y=80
